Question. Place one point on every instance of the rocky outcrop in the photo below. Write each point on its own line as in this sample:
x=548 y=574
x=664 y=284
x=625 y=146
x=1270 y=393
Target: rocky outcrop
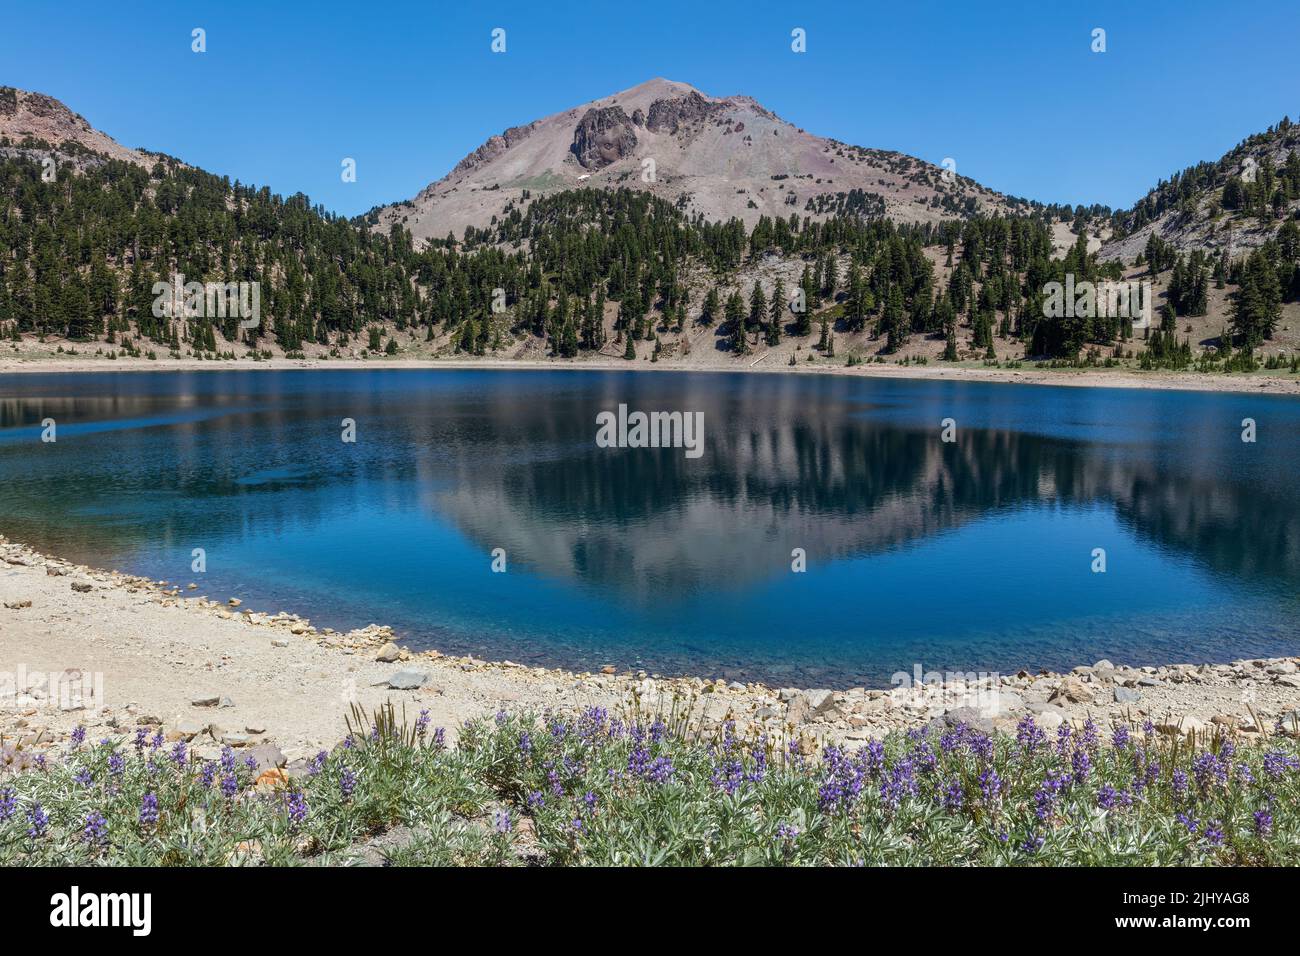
x=495 y=146
x=603 y=136
x=668 y=116
x=25 y=114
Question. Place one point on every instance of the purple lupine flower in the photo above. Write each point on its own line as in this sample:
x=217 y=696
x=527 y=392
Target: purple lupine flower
x=1187 y=820
x=178 y=753
x=157 y=741
x=1214 y=833
x=1090 y=738
x=953 y=796
x=440 y=738
x=1263 y=822
x=78 y=737
x=1119 y=739
x=536 y=800
x=1106 y=797
x=39 y=820
x=1276 y=763
x=116 y=764
x=525 y=743
x=347 y=783
x=660 y=769
x=317 y=764
x=297 y=806
x=95 y=830
x=1180 y=782
x=638 y=760
x=8 y=803
x=991 y=786
x=1032 y=844
x=422 y=724
x=1029 y=735
x=1046 y=796
x=589 y=800
x=251 y=763
x=84 y=777
x=207 y=774
x=140 y=735
x=1080 y=765
x=227 y=759
x=786 y=832
x=149 y=810
x=229 y=785
x=501 y=821
x=1205 y=767
x=1063 y=739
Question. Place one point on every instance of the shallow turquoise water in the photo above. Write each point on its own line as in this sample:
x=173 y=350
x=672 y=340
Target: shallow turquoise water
x=971 y=555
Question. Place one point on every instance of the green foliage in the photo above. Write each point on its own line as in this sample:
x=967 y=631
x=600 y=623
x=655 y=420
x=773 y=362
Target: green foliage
x=641 y=789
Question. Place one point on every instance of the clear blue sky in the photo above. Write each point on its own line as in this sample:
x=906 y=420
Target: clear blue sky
x=1011 y=90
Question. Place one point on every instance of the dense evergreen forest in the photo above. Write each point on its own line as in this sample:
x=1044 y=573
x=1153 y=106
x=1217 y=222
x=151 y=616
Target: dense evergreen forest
x=80 y=256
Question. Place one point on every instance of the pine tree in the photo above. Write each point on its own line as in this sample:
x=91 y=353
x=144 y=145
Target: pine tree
x=776 y=316
x=735 y=315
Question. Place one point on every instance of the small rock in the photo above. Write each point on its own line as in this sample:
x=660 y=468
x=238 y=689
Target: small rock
x=1073 y=690
x=1179 y=726
x=206 y=700
x=268 y=756
x=1049 y=720
x=1127 y=695
x=234 y=602
x=407 y=679
x=389 y=653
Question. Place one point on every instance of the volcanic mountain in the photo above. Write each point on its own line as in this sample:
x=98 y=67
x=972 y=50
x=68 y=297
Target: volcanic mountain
x=718 y=156
x=37 y=117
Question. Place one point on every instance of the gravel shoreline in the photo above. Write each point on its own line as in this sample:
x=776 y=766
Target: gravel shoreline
x=160 y=655
x=1257 y=383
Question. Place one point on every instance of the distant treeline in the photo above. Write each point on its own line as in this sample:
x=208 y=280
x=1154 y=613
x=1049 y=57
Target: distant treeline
x=80 y=256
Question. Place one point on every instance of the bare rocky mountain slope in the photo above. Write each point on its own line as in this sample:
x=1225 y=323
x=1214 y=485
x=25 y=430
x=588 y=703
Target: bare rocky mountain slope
x=40 y=117
x=1233 y=204
x=719 y=156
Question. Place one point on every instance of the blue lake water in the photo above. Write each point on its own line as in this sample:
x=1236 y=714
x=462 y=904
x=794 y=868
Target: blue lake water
x=972 y=555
